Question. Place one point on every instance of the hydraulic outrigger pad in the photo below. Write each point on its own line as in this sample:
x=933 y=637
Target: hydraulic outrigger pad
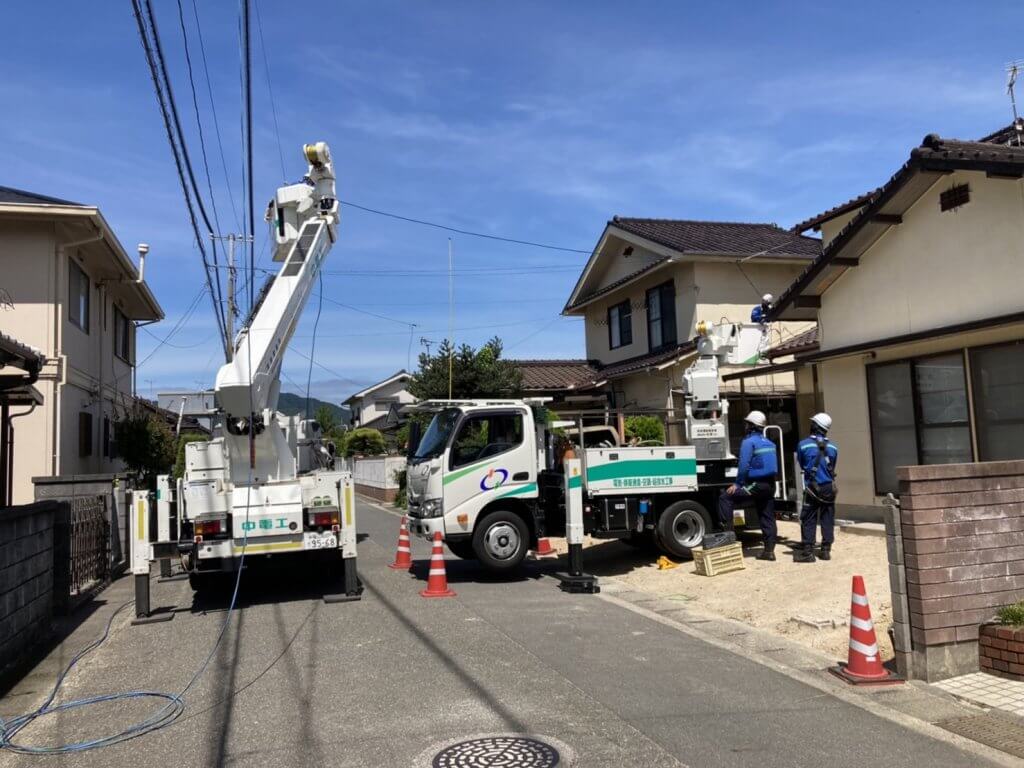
x=353 y=585
x=575 y=581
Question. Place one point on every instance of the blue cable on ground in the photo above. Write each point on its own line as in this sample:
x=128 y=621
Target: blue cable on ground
x=172 y=709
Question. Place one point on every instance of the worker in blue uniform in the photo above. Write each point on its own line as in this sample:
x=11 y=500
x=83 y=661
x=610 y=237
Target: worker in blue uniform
x=755 y=479
x=818 y=457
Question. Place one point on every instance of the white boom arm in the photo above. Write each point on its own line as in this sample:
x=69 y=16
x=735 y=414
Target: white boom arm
x=707 y=412
x=304 y=223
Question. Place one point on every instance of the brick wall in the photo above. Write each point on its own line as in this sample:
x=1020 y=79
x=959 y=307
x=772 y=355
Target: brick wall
x=1001 y=651
x=961 y=531
x=26 y=578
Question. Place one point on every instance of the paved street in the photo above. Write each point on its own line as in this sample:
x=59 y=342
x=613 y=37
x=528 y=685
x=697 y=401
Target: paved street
x=385 y=681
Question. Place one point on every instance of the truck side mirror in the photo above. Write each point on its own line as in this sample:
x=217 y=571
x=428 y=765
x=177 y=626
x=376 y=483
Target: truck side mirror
x=414 y=439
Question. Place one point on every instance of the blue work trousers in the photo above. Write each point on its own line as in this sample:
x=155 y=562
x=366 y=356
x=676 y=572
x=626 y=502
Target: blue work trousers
x=763 y=495
x=815 y=510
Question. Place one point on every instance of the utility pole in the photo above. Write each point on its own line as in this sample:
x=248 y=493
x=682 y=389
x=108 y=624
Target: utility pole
x=232 y=308
x=451 y=316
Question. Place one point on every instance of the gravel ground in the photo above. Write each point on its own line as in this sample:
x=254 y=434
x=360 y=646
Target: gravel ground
x=767 y=595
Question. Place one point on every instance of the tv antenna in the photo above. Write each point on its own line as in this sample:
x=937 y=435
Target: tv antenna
x=1013 y=69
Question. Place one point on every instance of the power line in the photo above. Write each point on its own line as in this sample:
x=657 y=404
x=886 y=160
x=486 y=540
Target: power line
x=312 y=344
x=270 y=89
x=199 y=128
x=446 y=228
x=213 y=111
x=155 y=75
x=247 y=66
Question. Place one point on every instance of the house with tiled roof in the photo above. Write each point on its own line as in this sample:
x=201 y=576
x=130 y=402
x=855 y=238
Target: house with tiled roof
x=918 y=354
x=649 y=282
x=72 y=293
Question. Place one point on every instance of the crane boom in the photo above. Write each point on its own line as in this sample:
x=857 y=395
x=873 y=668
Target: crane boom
x=304 y=221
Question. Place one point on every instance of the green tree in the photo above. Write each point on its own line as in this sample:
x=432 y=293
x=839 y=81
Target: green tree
x=645 y=428
x=145 y=444
x=475 y=373
x=332 y=428
x=365 y=442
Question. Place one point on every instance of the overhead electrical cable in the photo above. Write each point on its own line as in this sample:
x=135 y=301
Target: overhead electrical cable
x=470 y=233
x=247 y=68
x=213 y=112
x=199 y=125
x=183 y=146
x=155 y=75
x=270 y=88
x=312 y=343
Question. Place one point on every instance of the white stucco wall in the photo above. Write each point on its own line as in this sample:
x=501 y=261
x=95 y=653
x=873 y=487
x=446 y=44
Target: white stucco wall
x=378 y=402
x=936 y=268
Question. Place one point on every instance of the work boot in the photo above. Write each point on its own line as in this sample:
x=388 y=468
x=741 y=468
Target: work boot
x=805 y=554
x=768 y=553
x=826 y=552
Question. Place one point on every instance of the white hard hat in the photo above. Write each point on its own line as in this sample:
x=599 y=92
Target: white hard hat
x=757 y=419
x=767 y=298
x=822 y=420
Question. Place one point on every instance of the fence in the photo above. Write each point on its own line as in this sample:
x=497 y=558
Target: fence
x=375 y=477
x=956 y=554
x=88 y=537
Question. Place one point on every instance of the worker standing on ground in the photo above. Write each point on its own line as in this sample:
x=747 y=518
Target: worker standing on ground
x=755 y=479
x=818 y=457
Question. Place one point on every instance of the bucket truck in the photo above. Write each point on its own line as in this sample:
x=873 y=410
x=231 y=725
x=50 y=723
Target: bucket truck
x=265 y=484
x=494 y=476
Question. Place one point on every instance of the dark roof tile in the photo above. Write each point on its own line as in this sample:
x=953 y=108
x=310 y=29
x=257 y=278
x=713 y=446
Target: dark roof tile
x=802 y=342
x=850 y=205
x=721 y=237
x=556 y=374
x=21 y=197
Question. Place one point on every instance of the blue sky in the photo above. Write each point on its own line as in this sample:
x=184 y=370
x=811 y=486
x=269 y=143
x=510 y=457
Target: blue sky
x=533 y=120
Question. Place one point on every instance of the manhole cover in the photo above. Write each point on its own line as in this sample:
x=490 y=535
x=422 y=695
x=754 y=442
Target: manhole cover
x=498 y=752
x=995 y=730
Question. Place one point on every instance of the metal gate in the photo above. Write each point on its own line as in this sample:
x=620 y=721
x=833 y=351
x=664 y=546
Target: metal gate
x=89 y=562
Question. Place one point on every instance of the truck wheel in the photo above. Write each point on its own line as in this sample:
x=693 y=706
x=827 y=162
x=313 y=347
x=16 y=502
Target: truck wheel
x=462 y=549
x=682 y=526
x=500 y=541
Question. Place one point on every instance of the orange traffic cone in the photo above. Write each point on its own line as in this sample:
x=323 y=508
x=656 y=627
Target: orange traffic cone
x=437 y=579
x=543 y=547
x=864 y=665
x=403 y=557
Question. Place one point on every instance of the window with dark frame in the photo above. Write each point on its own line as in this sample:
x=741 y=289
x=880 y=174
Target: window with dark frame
x=997 y=387
x=122 y=336
x=84 y=434
x=78 y=296
x=485 y=435
x=661 y=316
x=620 y=325
x=105 y=440
x=919 y=415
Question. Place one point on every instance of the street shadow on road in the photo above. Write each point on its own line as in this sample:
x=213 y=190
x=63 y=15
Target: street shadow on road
x=462 y=571
x=266 y=583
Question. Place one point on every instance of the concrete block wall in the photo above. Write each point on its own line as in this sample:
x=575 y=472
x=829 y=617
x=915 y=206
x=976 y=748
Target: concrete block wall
x=375 y=477
x=26 y=578
x=962 y=545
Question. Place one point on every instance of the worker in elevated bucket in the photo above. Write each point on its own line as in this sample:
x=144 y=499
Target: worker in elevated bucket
x=755 y=479
x=817 y=457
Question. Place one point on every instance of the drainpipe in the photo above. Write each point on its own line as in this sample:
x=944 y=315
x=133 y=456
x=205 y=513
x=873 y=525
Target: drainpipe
x=61 y=258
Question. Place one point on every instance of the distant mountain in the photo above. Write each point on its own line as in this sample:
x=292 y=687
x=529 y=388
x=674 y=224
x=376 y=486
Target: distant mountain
x=292 y=404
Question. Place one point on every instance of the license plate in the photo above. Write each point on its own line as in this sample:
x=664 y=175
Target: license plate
x=319 y=541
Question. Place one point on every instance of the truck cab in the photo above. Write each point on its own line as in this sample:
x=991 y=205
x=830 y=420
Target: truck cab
x=473 y=476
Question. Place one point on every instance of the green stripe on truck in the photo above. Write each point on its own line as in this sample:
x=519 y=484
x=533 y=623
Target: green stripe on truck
x=528 y=488
x=641 y=468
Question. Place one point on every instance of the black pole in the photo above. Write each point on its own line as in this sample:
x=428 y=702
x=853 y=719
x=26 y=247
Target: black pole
x=5 y=448
x=247 y=52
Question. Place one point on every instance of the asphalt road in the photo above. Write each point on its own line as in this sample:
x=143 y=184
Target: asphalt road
x=386 y=681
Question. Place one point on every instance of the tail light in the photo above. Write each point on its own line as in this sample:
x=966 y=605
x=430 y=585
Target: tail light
x=209 y=528
x=323 y=519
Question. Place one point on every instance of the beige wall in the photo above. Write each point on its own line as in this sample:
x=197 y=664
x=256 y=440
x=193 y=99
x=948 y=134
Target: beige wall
x=936 y=268
x=844 y=385
x=833 y=227
x=705 y=290
x=366 y=408
x=81 y=374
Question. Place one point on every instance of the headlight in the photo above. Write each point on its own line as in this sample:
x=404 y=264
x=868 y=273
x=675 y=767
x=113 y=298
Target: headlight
x=432 y=508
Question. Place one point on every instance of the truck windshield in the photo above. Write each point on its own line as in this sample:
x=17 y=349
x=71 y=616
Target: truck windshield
x=436 y=437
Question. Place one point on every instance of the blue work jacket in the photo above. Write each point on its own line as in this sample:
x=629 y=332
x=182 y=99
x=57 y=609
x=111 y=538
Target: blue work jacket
x=758 y=461
x=807 y=454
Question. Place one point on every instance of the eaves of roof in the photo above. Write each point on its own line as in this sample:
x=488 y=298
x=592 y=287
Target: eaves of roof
x=934 y=158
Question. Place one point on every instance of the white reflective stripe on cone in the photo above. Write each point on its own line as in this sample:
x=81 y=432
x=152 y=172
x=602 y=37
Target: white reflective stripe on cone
x=858 y=599
x=864 y=650
x=437 y=571
x=404 y=549
x=865 y=624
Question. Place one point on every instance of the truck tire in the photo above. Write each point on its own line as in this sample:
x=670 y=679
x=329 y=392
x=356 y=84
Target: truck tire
x=500 y=541
x=681 y=527
x=462 y=549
